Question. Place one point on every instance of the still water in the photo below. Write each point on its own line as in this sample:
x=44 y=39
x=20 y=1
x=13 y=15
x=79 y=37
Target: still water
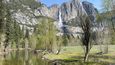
x=29 y=58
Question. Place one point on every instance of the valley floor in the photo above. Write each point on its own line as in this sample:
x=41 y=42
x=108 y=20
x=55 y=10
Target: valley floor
x=76 y=53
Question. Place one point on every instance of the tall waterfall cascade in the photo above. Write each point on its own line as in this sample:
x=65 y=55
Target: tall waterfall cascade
x=60 y=24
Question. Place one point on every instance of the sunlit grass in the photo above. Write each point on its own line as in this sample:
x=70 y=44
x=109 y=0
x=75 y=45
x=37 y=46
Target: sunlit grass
x=63 y=56
x=77 y=53
x=107 y=60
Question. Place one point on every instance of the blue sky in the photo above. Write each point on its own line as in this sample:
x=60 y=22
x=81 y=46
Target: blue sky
x=50 y=2
x=97 y=3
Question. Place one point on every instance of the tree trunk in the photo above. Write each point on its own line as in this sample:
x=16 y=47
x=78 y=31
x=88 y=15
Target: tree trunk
x=86 y=54
x=17 y=45
x=26 y=43
x=2 y=39
x=58 y=51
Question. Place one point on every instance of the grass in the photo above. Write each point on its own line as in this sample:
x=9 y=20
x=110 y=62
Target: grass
x=74 y=53
x=63 y=56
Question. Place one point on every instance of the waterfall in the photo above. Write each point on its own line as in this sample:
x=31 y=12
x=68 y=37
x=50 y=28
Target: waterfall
x=60 y=24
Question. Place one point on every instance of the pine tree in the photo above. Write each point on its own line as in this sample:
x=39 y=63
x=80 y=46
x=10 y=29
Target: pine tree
x=2 y=16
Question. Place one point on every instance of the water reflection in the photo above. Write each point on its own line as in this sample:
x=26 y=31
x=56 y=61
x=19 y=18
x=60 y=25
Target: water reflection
x=22 y=58
x=29 y=58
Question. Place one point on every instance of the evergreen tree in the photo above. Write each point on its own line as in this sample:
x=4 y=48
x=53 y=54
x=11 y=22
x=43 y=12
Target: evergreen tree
x=2 y=16
x=2 y=23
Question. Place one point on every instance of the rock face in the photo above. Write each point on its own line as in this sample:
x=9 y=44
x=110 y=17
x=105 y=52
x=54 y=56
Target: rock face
x=69 y=10
x=90 y=10
x=69 y=14
x=52 y=11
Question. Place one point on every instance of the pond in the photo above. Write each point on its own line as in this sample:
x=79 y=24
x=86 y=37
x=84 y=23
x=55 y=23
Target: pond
x=30 y=58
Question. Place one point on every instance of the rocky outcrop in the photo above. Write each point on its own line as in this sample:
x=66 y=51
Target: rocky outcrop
x=52 y=11
x=69 y=14
x=90 y=10
x=85 y=8
x=69 y=10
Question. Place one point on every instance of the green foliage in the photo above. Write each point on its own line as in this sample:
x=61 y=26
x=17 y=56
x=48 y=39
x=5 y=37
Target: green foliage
x=108 y=4
x=24 y=5
x=46 y=33
x=9 y=25
x=13 y=32
x=31 y=3
x=33 y=41
x=2 y=16
x=65 y=39
x=112 y=38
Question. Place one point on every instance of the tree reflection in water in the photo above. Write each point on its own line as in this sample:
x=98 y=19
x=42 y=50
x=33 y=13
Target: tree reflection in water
x=28 y=58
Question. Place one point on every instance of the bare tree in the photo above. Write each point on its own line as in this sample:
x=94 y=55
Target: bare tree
x=109 y=8
x=87 y=21
x=86 y=27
